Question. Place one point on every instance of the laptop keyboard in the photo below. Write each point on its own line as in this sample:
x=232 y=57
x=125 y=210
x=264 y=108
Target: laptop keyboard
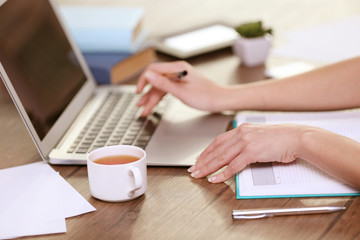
x=116 y=122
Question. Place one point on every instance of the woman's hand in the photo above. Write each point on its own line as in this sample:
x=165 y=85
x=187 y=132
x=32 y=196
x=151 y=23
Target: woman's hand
x=194 y=89
x=248 y=143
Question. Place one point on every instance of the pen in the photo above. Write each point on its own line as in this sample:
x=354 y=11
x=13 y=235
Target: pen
x=262 y=213
x=176 y=76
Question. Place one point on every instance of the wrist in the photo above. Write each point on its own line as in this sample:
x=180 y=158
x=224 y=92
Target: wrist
x=307 y=146
x=249 y=96
x=230 y=98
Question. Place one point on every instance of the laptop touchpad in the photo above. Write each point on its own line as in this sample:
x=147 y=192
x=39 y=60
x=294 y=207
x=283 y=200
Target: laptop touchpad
x=183 y=134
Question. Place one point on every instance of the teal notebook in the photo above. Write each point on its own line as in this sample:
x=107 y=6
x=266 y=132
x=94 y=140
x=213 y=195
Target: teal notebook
x=299 y=178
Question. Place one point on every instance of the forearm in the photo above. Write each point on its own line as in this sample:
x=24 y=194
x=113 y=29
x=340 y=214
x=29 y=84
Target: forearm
x=332 y=87
x=337 y=155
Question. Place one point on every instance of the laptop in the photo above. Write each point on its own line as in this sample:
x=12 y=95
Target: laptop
x=67 y=114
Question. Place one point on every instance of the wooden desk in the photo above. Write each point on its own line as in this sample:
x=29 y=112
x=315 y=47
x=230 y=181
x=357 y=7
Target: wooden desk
x=176 y=206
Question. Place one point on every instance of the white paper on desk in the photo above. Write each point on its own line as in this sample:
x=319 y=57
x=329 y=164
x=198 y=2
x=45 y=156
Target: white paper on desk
x=36 y=200
x=328 y=43
x=74 y=204
x=33 y=210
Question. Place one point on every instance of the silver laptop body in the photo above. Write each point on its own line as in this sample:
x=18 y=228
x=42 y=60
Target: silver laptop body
x=58 y=99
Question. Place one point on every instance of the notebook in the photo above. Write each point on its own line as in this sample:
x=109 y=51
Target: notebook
x=68 y=115
x=299 y=178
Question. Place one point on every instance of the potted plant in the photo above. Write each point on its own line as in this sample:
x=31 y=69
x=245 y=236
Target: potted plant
x=253 y=44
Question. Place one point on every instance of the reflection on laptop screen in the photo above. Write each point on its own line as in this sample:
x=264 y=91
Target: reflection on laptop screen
x=28 y=34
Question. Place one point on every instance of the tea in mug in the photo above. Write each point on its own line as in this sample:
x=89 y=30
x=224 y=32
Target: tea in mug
x=116 y=160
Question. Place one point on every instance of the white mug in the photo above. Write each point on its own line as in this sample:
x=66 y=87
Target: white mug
x=119 y=182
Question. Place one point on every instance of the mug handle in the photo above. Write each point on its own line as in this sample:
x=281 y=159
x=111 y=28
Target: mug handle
x=135 y=172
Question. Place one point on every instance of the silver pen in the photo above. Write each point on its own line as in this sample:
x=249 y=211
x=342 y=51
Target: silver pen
x=262 y=213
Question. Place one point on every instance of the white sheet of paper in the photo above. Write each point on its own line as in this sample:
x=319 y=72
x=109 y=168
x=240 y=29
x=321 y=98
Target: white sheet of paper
x=327 y=43
x=74 y=204
x=36 y=200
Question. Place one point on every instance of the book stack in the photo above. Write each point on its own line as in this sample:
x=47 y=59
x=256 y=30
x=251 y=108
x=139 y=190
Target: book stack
x=110 y=37
x=114 y=68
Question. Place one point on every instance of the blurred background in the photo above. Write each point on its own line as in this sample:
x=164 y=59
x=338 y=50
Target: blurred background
x=167 y=16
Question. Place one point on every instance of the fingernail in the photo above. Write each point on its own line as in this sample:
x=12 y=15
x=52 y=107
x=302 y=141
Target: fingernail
x=194 y=174
x=191 y=169
x=212 y=179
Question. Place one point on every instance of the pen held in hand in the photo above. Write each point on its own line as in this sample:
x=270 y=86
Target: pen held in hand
x=175 y=76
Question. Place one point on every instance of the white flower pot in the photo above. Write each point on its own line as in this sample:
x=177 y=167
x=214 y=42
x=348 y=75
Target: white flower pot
x=252 y=51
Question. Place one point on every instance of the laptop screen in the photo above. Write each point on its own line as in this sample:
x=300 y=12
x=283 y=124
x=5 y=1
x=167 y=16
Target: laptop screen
x=39 y=60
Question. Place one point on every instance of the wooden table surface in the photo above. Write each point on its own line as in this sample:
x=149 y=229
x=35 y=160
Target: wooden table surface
x=176 y=206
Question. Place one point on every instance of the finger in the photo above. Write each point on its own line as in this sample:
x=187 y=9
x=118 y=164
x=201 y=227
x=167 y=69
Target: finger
x=151 y=93
x=218 y=147
x=161 y=68
x=237 y=165
x=144 y=98
x=160 y=82
x=168 y=67
x=228 y=137
x=203 y=159
x=141 y=83
x=150 y=105
x=152 y=98
x=219 y=159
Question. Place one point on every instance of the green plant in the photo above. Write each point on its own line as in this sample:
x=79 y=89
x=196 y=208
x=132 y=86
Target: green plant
x=252 y=29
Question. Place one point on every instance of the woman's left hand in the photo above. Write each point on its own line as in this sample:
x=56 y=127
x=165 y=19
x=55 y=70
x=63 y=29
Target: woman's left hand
x=248 y=143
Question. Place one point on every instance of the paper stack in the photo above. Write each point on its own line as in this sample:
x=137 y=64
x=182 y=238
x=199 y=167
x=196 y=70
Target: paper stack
x=36 y=200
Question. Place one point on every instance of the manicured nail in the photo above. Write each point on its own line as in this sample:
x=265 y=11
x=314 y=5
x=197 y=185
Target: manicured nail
x=191 y=169
x=212 y=179
x=194 y=174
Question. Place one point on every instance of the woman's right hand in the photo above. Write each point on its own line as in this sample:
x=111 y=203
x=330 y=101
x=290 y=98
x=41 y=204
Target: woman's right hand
x=194 y=89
